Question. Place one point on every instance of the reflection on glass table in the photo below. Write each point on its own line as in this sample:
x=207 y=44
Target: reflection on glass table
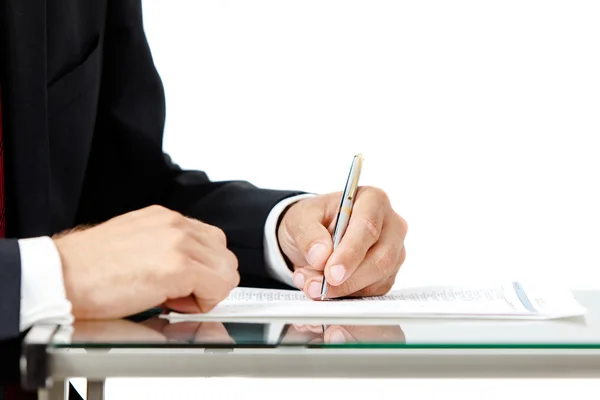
x=325 y=348
x=156 y=331
x=159 y=332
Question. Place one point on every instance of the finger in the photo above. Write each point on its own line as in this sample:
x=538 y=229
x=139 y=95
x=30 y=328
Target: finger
x=383 y=287
x=337 y=335
x=155 y=323
x=364 y=230
x=312 y=282
x=365 y=334
x=308 y=328
x=315 y=328
x=213 y=332
x=378 y=269
x=303 y=274
x=300 y=327
x=186 y=305
x=211 y=233
x=379 y=288
x=119 y=330
x=184 y=331
x=205 y=233
x=210 y=287
x=298 y=335
x=304 y=239
x=299 y=278
x=221 y=260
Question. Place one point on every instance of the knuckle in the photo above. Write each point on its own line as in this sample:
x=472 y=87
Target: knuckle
x=217 y=233
x=173 y=218
x=156 y=208
x=371 y=227
x=386 y=262
x=371 y=291
x=222 y=236
x=181 y=264
x=178 y=238
x=353 y=253
x=349 y=286
x=306 y=242
x=304 y=237
x=300 y=232
x=403 y=224
x=232 y=260
x=402 y=256
x=379 y=193
x=378 y=290
x=176 y=278
x=236 y=279
x=388 y=284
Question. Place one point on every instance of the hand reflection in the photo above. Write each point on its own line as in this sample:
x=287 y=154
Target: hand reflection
x=114 y=331
x=158 y=330
x=152 y=330
x=339 y=334
x=191 y=331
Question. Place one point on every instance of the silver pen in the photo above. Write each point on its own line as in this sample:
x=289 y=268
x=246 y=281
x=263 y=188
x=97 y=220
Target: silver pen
x=345 y=210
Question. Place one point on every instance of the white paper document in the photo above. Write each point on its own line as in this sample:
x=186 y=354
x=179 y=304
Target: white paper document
x=511 y=300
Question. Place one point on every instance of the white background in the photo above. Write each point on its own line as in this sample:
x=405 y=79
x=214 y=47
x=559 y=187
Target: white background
x=480 y=119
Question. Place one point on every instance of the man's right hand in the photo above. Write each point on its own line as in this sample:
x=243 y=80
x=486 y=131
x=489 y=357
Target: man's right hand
x=143 y=259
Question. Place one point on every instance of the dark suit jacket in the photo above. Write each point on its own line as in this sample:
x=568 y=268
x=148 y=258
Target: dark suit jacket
x=83 y=109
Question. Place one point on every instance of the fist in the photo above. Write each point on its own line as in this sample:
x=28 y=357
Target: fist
x=368 y=257
x=143 y=259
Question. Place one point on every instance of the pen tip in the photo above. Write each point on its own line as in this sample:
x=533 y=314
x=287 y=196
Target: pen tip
x=322 y=297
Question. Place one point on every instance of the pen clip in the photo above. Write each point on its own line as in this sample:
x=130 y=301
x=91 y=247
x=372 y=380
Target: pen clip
x=354 y=186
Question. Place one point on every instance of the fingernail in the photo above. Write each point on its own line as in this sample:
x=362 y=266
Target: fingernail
x=317 y=254
x=314 y=289
x=337 y=337
x=299 y=280
x=337 y=273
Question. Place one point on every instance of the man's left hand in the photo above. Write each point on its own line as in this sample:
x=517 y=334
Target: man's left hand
x=368 y=257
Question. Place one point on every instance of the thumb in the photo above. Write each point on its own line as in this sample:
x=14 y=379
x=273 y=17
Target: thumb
x=306 y=243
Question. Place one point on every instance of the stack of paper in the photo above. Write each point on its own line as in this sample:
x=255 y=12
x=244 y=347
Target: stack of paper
x=512 y=300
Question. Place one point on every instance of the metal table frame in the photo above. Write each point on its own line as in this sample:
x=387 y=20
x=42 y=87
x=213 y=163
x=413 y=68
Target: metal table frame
x=47 y=369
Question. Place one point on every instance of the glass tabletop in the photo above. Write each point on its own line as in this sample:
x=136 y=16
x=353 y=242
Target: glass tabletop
x=152 y=330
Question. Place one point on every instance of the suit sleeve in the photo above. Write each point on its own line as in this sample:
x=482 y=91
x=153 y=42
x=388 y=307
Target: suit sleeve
x=128 y=170
x=10 y=288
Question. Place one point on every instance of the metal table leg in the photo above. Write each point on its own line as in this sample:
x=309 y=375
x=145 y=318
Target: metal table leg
x=95 y=390
x=58 y=391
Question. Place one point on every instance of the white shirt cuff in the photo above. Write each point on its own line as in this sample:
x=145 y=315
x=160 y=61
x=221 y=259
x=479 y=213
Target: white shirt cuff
x=43 y=295
x=276 y=265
